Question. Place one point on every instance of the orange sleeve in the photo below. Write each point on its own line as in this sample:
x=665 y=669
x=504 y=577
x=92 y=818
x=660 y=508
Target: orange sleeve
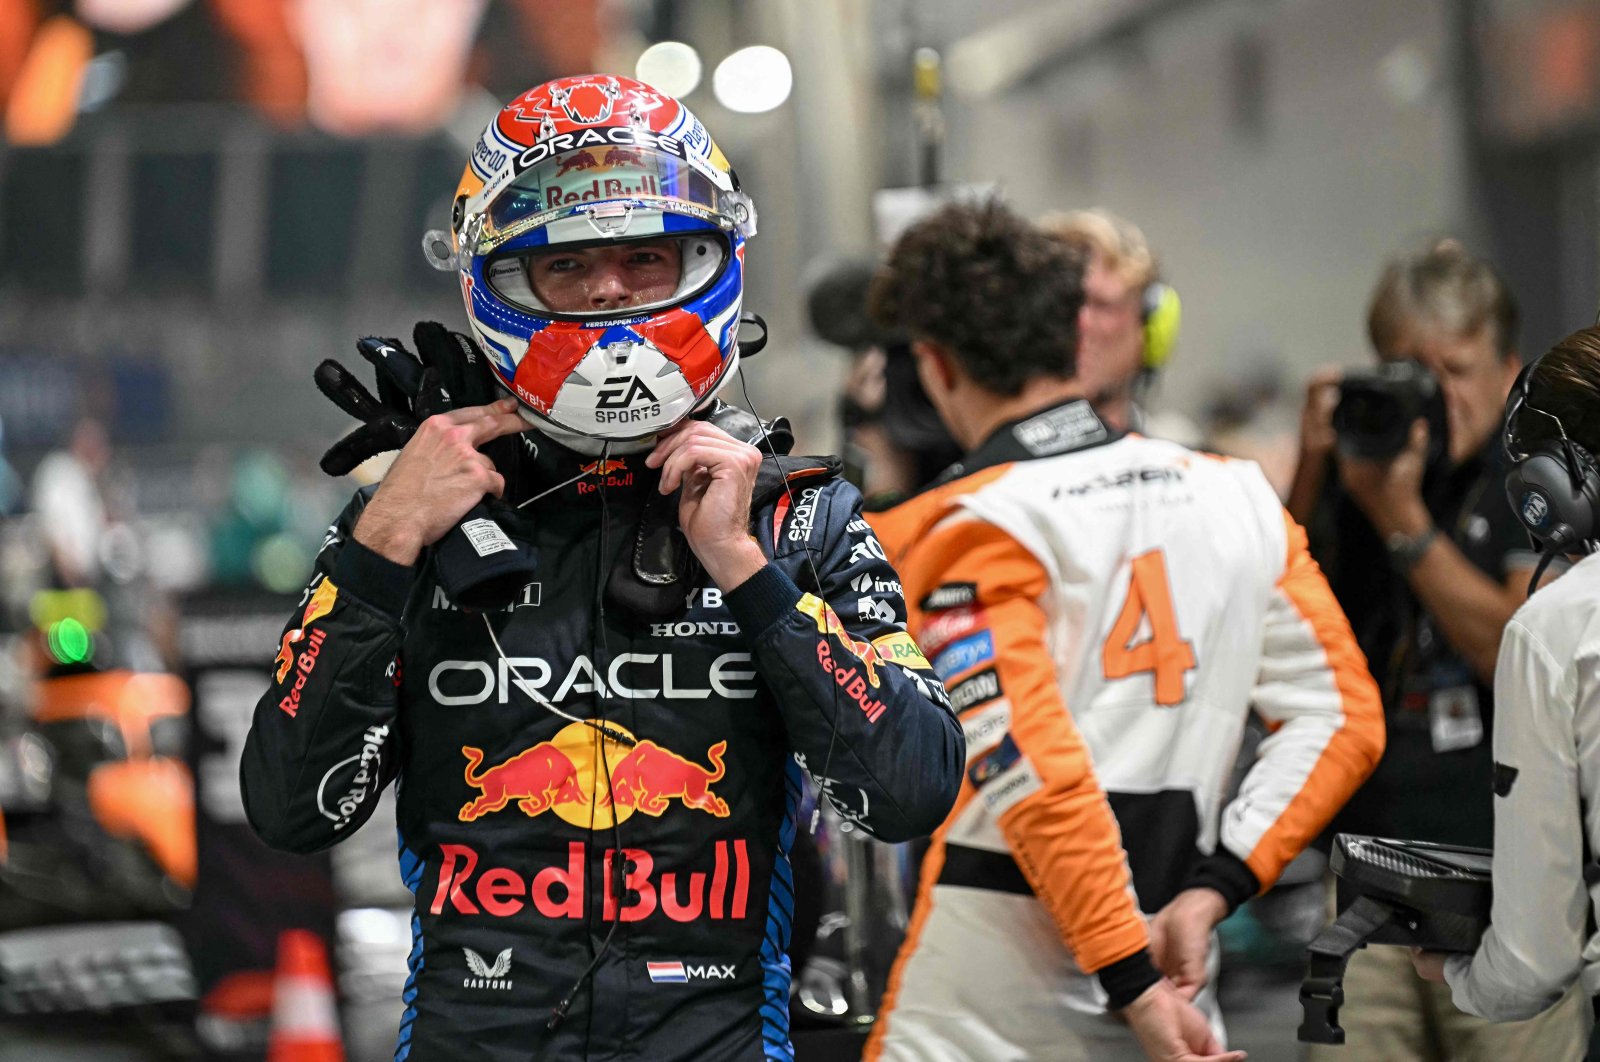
x=1037 y=780
x=1315 y=692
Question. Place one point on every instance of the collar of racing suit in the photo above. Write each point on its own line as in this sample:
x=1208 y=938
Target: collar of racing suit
x=1057 y=429
x=542 y=464
x=554 y=476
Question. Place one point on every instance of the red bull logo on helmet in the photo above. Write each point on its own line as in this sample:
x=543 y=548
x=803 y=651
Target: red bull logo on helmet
x=578 y=160
x=601 y=188
x=581 y=764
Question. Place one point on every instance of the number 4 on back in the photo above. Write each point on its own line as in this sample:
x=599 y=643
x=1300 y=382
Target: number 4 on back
x=1165 y=652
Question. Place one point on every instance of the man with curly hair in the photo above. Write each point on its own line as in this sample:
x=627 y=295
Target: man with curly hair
x=1091 y=597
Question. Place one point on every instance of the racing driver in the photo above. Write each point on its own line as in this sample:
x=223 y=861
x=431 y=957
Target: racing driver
x=597 y=792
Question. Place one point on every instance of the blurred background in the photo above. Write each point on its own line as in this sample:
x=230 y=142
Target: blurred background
x=201 y=199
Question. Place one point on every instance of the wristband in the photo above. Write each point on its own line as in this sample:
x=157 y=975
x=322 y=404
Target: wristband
x=1406 y=550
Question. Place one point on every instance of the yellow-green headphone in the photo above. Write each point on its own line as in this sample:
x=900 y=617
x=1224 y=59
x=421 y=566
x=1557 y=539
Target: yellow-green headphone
x=1162 y=313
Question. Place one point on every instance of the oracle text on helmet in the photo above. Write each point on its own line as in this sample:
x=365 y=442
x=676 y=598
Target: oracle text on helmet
x=611 y=134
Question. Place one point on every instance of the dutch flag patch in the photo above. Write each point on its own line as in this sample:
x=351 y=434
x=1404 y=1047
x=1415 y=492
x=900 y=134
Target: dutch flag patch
x=671 y=973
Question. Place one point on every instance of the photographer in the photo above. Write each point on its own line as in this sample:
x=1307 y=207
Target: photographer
x=1549 y=717
x=1429 y=564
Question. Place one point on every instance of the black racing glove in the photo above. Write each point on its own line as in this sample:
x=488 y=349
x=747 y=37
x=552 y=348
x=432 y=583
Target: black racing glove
x=483 y=562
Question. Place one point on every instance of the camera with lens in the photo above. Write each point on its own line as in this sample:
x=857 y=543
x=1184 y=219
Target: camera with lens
x=1378 y=406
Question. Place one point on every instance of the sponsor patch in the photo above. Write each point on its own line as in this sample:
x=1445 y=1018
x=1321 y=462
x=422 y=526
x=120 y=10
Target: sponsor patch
x=854 y=686
x=677 y=973
x=964 y=655
x=985 y=728
x=828 y=622
x=529 y=597
x=900 y=648
x=874 y=610
x=1061 y=429
x=867 y=583
x=803 y=522
x=1005 y=755
x=945 y=627
x=487 y=975
x=1011 y=787
x=950 y=595
x=365 y=766
x=979 y=689
x=1004 y=776
x=667 y=973
x=307 y=661
x=693 y=629
x=713 y=886
x=867 y=548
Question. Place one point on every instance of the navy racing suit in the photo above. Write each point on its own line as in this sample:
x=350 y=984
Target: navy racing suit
x=673 y=881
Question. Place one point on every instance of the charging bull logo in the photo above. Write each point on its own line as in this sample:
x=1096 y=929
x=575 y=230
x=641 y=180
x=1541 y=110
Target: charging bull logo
x=624 y=157
x=578 y=160
x=320 y=605
x=650 y=776
x=561 y=774
x=537 y=779
x=828 y=622
x=610 y=472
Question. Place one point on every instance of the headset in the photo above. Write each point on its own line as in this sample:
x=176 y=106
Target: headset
x=1554 y=488
x=1161 y=312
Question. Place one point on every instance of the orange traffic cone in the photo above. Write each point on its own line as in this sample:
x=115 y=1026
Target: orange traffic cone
x=305 y=1020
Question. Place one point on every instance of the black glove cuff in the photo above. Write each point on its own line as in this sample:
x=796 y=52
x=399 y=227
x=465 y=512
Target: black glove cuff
x=1227 y=874
x=482 y=563
x=1126 y=979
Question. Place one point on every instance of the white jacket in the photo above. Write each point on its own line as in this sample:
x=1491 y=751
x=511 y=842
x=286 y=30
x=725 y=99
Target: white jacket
x=1547 y=768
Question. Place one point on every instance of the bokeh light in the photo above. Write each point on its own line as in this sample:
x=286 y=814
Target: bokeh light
x=670 y=66
x=753 y=79
x=70 y=641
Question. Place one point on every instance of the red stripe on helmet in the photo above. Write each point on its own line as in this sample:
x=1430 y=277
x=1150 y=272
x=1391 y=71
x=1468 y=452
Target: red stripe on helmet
x=682 y=337
x=552 y=354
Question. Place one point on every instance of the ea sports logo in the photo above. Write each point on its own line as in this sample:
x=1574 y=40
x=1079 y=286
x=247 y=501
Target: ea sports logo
x=1535 y=509
x=622 y=392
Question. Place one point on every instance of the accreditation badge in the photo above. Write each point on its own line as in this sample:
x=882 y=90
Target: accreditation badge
x=1454 y=721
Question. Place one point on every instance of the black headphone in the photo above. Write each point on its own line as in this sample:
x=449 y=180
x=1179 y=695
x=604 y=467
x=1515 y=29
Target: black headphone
x=1554 y=488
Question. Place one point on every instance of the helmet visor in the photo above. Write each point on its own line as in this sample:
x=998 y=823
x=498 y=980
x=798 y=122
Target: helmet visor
x=608 y=278
x=595 y=192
